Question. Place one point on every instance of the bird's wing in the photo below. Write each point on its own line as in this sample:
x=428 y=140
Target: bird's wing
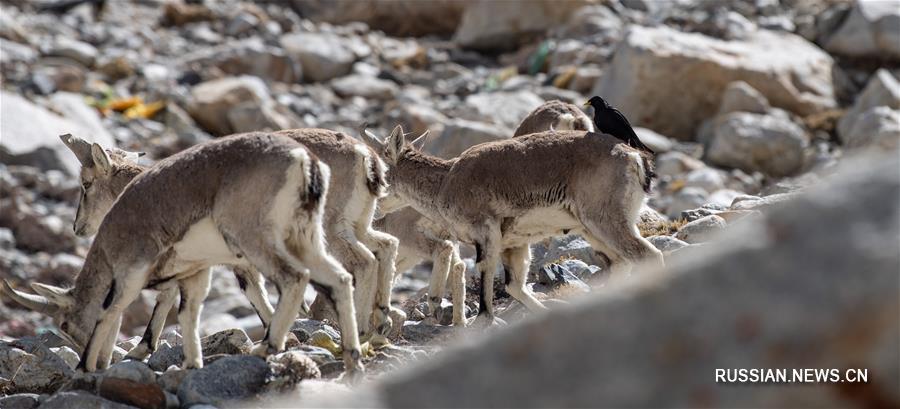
x=634 y=140
x=624 y=120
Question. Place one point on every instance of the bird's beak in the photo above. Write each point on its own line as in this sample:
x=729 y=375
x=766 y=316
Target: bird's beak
x=587 y=103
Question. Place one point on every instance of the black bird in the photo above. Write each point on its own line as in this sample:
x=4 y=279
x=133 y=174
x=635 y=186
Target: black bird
x=609 y=120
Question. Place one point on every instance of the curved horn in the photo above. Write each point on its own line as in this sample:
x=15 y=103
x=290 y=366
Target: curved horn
x=368 y=137
x=80 y=147
x=30 y=301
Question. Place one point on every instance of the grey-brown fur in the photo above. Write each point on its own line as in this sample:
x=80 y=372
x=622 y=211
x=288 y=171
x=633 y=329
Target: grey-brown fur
x=195 y=199
x=359 y=180
x=501 y=196
x=422 y=239
x=556 y=115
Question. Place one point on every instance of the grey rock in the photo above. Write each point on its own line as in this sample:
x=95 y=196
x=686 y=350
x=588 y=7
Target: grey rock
x=504 y=108
x=870 y=30
x=241 y=24
x=491 y=25
x=235 y=104
x=7 y=239
x=761 y=203
x=770 y=308
x=310 y=326
x=579 y=268
x=131 y=370
x=751 y=142
x=557 y=249
x=650 y=59
x=68 y=355
x=80 y=51
x=364 y=86
x=701 y=212
x=249 y=57
x=400 y=17
x=290 y=368
x=707 y=179
x=554 y=276
x=319 y=355
x=659 y=143
x=171 y=378
x=422 y=333
x=323 y=56
x=80 y=400
x=13 y=52
x=676 y=163
x=741 y=97
x=229 y=379
x=686 y=199
x=229 y=342
x=20 y=401
x=30 y=367
x=667 y=244
x=31 y=136
x=864 y=124
x=879 y=126
x=460 y=134
x=701 y=230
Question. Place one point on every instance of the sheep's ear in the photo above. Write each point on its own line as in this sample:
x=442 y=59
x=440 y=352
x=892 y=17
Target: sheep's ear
x=419 y=143
x=394 y=143
x=101 y=158
x=58 y=296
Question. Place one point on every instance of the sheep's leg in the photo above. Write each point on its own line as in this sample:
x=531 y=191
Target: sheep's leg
x=105 y=356
x=254 y=287
x=150 y=340
x=457 y=284
x=194 y=290
x=487 y=255
x=336 y=284
x=120 y=295
x=384 y=249
x=516 y=261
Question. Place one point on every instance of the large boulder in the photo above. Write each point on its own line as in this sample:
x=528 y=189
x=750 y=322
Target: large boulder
x=31 y=132
x=229 y=379
x=770 y=144
x=31 y=367
x=250 y=57
x=81 y=400
x=506 y=108
x=495 y=25
x=236 y=104
x=787 y=291
x=460 y=134
x=671 y=81
x=398 y=17
x=323 y=55
x=872 y=30
x=873 y=117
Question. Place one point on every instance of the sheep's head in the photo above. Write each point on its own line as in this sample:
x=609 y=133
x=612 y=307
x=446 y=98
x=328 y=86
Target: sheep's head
x=392 y=149
x=60 y=305
x=104 y=174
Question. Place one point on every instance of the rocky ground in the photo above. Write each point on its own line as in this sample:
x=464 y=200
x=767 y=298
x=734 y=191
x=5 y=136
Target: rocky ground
x=747 y=104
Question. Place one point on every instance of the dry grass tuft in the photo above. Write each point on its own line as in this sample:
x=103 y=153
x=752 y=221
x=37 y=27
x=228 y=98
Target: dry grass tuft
x=656 y=228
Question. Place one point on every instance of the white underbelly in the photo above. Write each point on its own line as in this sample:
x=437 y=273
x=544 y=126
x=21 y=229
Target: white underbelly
x=203 y=244
x=538 y=224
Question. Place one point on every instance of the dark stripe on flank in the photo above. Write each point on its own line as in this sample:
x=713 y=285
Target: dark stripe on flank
x=110 y=295
x=375 y=178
